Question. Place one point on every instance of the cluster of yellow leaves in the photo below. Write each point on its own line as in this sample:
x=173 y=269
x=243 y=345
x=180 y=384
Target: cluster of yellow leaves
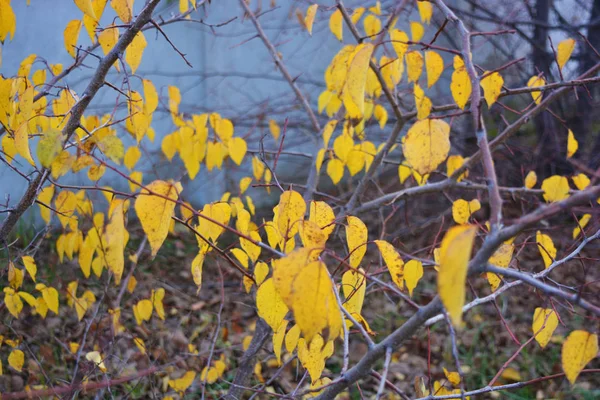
x=192 y=141
x=210 y=374
x=13 y=297
x=142 y=310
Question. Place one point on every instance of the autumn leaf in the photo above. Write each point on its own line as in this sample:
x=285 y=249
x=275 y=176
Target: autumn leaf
x=460 y=86
x=393 y=261
x=530 y=179
x=133 y=54
x=546 y=248
x=563 y=52
x=544 y=323
x=414 y=65
x=309 y=20
x=86 y=7
x=124 y=9
x=492 y=87
x=16 y=359
x=579 y=348
x=270 y=305
x=180 y=385
x=572 y=144
x=462 y=210
x=413 y=272
x=71 y=34
x=155 y=211
x=336 y=24
x=455 y=253
x=556 y=188
x=533 y=82
x=313 y=354
x=356 y=238
x=354 y=89
x=291 y=211
x=237 y=149
x=434 y=65
x=427 y=144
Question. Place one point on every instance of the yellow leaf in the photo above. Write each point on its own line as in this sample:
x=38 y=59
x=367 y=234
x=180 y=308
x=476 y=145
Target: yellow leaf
x=581 y=224
x=181 y=384
x=462 y=210
x=237 y=149
x=556 y=188
x=530 y=179
x=196 y=268
x=460 y=86
x=358 y=12
x=536 y=81
x=278 y=336
x=572 y=144
x=313 y=302
x=403 y=173
x=434 y=64
x=580 y=348
x=413 y=272
x=544 y=323
x=416 y=31
x=65 y=204
x=291 y=338
x=50 y=296
x=356 y=238
x=453 y=377
x=453 y=163
x=492 y=86
x=376 y=9
x=546 y=248
x=422 y=102
x=8 y=21
x=16 y=359
x=261 y=270
x=86 y=7
x=157 y=297
x=322 y=214
x=13 y=302
x=313 y=237
x=414 y=65
x=291 y=211
x=270 y=305
x=501 y=258
x=393 y=261
x=354 y=287
x=124 y=9
x=425 y=11
x=313 y=356
x=142 y=311
x=91 y=22
x=71 y=34
x=30 y=266
x=455 y=252
x=274 y=129
x=581 y=181
x=563 y=52
x=133 y=54
x=311 y=12
x=108 y=39
x=49 y=147
x=96 y=358
x=115 y=241
x=155 y=211
x=356 y=80
x=399 y=41
x=336 y=24
x=427 y=144
x=132 y=155
x=381 y=115
x=372 y=25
